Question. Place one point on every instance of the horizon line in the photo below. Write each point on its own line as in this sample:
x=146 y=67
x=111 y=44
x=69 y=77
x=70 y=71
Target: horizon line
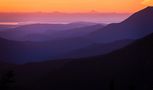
x=60 y=12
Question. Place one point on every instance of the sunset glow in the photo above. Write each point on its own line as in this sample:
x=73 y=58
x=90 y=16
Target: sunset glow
x=73 y=5
x=147 y=2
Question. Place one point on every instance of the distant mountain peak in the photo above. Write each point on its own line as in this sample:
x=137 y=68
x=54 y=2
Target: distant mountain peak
x=148 y=9
x=143 y=16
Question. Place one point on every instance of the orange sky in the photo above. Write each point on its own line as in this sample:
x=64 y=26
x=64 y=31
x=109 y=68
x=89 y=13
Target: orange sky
x=73 y=5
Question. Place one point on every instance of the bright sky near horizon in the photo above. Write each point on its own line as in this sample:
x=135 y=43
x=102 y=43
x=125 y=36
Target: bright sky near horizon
x=120 y=6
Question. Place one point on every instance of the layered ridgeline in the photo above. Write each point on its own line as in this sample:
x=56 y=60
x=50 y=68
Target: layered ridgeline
x=43 y=44
x=115 y=36
x=129 y=68
x=33 y=43
x=44 y=32
x=136 y=26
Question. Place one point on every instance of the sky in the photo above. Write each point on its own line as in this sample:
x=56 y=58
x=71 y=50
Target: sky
x=70 y=6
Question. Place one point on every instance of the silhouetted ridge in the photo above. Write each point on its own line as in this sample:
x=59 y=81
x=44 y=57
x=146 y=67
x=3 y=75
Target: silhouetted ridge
x=142 y=16
x=137 y=26
x=129 y=68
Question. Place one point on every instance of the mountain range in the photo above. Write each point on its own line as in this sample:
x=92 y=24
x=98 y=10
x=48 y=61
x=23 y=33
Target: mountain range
x=127 y=67
x=40 y=42
x=136 y=26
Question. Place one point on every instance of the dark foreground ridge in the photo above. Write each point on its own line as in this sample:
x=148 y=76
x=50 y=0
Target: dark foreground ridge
x=129 y=68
